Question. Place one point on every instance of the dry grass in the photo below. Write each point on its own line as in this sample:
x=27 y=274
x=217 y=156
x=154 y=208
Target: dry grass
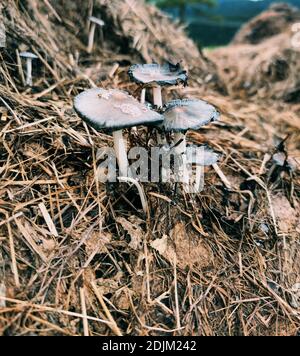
x=263 y=60
x=276 y=19
x=80 y=258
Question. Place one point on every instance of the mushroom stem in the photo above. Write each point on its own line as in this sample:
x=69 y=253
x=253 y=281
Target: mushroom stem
x=157 y=97
x=121 y=153
x=198 y=184
x=222 y=176
x=143 y=100
x=101 y=37
x=157 y=101
x=143 y=96
x=180 y=150
x=29 y=72
x=91 y=38
x=181 y=147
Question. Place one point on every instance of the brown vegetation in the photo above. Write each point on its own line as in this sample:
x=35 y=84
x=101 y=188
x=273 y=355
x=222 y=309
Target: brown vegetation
x=78 y=257
x=269 y=67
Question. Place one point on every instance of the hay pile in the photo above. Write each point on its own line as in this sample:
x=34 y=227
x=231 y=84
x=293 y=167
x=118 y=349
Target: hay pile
x=267 y=67
x=78 y=257
x=2 y=32
x=277 y=19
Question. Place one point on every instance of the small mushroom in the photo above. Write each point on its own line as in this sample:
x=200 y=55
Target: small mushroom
x=281 y=159
x=94 y=22
x=202 y=156
x=114 y=110
x=156 y=76
x=187 y=114
x=29 y=58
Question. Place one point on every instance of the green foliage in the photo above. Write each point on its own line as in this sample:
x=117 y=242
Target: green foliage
x=180 y=3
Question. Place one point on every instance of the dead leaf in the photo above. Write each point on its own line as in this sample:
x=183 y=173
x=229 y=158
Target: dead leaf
x=122 y=300
x=287 y=217
x=107 y=286
x=161 y=245
x=134 y=230
x=97 y=241
x=189 y=249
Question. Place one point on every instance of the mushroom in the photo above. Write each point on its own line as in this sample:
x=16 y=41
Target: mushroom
x=156 y=76
x=281 y=159
x=202 y=156
x=190 y=114
x=114 y=110
x=94 y=22
x=187 y=114
x=29 y=58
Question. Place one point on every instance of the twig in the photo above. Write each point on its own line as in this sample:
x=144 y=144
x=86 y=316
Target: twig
x=113 y=325
x=176 y=293
x=140 y=190
x=44 y=308
x=48 y=220
x=83 y=309
x=222 y=176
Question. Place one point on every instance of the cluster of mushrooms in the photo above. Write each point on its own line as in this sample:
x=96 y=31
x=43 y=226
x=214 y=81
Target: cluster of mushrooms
x=114 y=110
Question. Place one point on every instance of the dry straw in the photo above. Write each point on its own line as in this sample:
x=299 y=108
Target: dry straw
x=224 y=262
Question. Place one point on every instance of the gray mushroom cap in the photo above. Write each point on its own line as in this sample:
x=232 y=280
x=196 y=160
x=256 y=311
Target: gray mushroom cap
x=155 y=74
x=113 y=110
x=281 y=160
x=188 y=114
x=97 y=21
x=201 y=155
x=28 y=55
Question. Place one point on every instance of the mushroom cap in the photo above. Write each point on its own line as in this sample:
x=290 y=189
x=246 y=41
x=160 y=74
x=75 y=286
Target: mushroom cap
x=188 y=114
x=97 y=21
x=113 y=110
x=280 y=159
x=157 y=75
x=202 y=155
x=28 y=55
